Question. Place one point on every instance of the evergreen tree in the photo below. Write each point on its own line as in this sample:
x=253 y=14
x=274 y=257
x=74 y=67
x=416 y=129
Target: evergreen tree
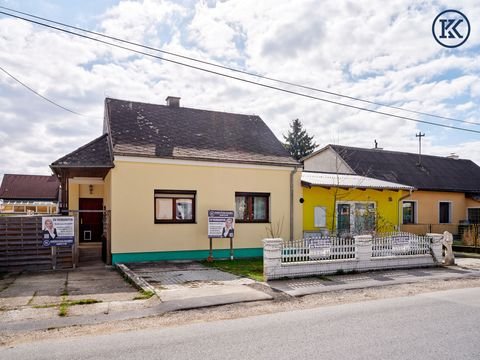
x=298 y=142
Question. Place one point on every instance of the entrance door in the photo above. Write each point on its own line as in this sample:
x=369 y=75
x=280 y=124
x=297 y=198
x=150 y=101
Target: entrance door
x=91 y=223
x=343 y=219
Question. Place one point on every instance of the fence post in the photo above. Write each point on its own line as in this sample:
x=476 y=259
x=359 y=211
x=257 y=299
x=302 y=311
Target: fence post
x=272 y=257
x=436 y=247
x=363 y=249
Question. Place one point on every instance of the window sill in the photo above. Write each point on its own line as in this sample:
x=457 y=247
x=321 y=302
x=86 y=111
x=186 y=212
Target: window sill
x=174 y=222
x=252 y=222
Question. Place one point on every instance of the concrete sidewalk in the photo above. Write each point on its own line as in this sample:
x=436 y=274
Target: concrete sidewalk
x=30 y=301
x=188 y=282
x=33 y=300
x=176 y=282
x=321 y=284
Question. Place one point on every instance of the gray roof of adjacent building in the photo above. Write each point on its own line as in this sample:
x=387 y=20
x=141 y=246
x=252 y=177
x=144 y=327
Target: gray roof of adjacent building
x=434 y=173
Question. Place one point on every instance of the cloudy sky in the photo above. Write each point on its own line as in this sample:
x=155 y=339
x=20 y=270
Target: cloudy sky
x=374 y=50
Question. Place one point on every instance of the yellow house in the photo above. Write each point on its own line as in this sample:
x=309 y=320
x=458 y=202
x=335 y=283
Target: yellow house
x=352 y=204
x=148 y=183
x=447 y=195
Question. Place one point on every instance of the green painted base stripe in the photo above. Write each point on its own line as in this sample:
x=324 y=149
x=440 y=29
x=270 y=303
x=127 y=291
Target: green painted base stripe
x=185 y=255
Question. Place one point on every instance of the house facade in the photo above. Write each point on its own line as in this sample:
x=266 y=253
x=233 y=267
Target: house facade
x=447 y=188
x=29 y=194
x=158 y=169
x=350 y=204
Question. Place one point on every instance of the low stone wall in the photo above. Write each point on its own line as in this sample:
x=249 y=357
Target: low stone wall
x=363 y=261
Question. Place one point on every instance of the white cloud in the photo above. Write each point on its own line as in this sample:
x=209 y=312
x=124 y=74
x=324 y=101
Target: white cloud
x=386 y=56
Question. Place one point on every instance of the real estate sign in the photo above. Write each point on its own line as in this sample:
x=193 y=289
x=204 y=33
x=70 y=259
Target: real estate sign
x=221 y=223
x=58 y=231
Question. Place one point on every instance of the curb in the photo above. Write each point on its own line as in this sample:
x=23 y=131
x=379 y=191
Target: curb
x=136 y=280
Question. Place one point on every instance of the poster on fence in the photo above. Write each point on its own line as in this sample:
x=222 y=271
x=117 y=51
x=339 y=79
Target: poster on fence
x=400 y=243
x=319 y=248
x=58 y=231
x=221 y=223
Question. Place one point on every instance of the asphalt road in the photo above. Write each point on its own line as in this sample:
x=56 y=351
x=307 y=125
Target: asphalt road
x=441 y=325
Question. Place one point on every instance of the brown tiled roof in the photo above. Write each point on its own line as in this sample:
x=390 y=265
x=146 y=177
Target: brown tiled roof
x=31 y=187
x=96 y=153
x=435 y=172
x=141 y=129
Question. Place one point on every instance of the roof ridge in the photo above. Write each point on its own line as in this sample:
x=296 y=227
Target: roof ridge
x=393 y=151
x=183 y=107
x=27 y=175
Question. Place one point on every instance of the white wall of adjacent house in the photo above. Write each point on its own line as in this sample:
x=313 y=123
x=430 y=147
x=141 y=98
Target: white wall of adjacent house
x=327 y=161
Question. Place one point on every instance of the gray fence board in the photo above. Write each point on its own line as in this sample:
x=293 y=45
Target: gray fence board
x=21 y=246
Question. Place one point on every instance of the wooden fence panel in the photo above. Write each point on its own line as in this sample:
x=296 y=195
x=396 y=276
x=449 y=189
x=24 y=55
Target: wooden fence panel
x=21 y=246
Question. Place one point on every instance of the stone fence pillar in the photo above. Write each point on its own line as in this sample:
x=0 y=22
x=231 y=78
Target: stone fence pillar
x=447 y=241
x=363 y=248
x=272 y=257
x=436 y=247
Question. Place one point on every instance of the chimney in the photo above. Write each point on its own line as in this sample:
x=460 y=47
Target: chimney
x=173 y=101
x=376 y=145
x=453 y=156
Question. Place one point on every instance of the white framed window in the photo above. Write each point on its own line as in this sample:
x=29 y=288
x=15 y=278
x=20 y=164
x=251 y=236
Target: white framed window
x=356 y=216
x=409 y=212
x=444 y=212
x=320 y=216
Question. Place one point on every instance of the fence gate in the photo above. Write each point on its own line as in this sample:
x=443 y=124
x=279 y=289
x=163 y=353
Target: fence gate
x=21 y=246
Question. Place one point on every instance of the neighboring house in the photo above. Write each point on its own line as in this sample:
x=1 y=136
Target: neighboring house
x=29 y=194
x=448 y=188
x=157 y=170
x=350 y=204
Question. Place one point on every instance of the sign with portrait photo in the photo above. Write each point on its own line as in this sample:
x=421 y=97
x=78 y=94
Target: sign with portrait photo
x=58 y=231
x=221 y=223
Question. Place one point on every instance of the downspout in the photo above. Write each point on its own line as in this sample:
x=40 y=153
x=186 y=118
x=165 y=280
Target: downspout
x=292 y=174
x=410 y=191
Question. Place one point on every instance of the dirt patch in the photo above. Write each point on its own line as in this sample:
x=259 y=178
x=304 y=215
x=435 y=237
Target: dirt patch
x=226 y=312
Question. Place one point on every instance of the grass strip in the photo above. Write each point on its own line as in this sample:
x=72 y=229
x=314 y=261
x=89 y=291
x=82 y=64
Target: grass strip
x=144 y=295
x=251 y=268
x=69 y=303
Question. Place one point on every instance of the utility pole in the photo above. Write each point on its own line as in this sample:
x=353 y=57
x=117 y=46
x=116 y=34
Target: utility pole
x=420 y=135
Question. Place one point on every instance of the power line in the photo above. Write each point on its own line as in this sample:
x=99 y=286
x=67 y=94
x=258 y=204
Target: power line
x=238 y=70
x=243 y=80
x=40 y=95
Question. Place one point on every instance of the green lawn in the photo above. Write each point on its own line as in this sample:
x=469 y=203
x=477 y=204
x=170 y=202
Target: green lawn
x=252 y=268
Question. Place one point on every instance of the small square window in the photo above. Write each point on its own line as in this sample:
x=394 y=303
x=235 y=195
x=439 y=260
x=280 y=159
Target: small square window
x=174 y=206
x=252 y=207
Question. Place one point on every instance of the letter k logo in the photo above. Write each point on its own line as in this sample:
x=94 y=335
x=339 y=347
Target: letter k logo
x=451 y=28
x=446 y=24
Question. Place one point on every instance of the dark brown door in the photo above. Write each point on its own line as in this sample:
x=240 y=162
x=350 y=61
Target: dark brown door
x=91 y=222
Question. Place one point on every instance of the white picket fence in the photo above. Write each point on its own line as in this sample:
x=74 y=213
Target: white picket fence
x=317 y=254
x=318 y=248
x=400 y=244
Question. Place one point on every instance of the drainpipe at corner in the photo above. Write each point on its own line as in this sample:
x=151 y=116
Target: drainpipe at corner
x=292 y=173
